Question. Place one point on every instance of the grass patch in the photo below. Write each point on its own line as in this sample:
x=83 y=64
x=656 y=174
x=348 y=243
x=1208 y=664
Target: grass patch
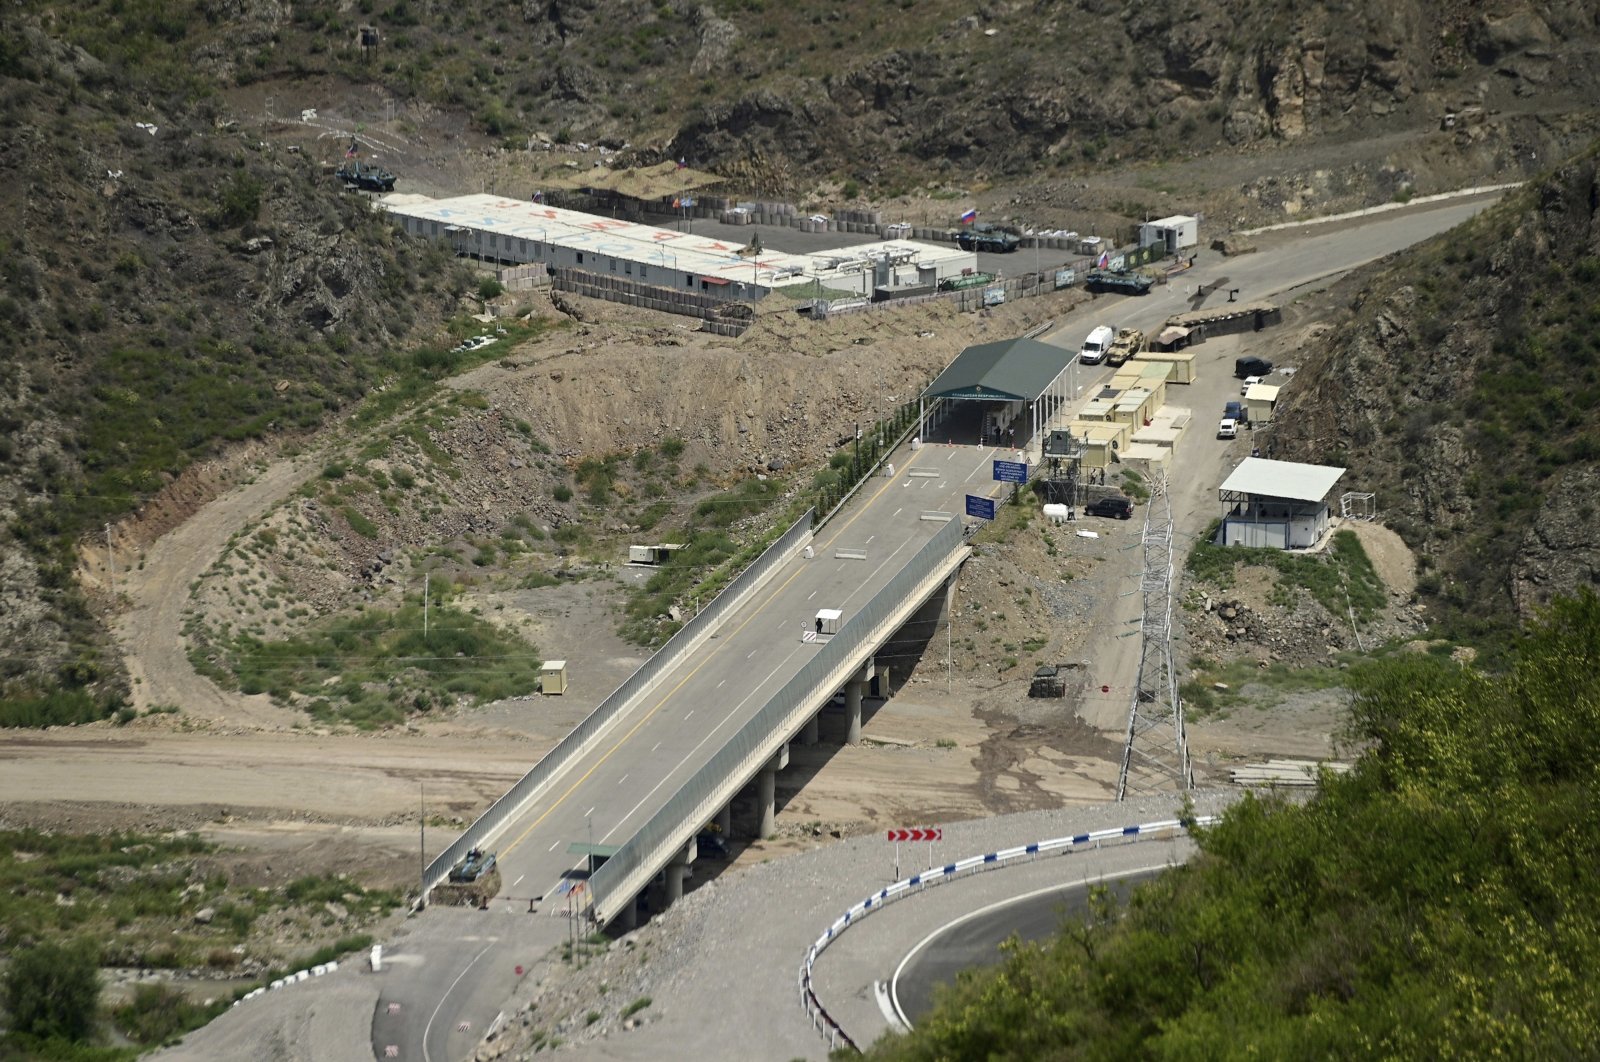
x=375 y=667
x=1267 y=685
x=1344 y=570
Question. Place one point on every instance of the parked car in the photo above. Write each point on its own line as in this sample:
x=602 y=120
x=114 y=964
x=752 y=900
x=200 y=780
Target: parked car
x=711 y=845
x=1228 y=429
x=1249 y=382
x=1117 y=506
x=1243 y=367
x=1235 y=410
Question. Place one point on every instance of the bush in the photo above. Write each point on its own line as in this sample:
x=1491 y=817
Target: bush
x=158 y=1013
x=53 y=990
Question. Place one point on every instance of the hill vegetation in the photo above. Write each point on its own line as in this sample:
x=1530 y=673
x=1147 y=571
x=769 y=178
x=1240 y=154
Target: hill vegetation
x=1463 y=391
x=1435 y=902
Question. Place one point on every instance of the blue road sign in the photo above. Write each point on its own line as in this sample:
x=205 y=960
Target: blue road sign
x=1011 y=471
x=982 y=508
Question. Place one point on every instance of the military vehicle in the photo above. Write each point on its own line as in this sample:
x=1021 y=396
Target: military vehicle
x=1120 y=282
x=987 y=238
x=966 y=280
x=1129 y=341
x=363 y=176
x=474 y=866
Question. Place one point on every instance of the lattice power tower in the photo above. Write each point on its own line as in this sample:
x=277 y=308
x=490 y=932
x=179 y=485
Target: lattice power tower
x=1155 y=758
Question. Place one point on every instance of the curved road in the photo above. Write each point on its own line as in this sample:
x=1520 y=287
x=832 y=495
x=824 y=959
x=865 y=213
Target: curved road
x=974 y=939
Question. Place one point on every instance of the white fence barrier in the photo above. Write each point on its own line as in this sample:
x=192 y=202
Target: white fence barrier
x=824 y=1023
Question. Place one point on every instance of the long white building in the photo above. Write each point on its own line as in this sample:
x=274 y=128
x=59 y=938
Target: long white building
x=515 y=232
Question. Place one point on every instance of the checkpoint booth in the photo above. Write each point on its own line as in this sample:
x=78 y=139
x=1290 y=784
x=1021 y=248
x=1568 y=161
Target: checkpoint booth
x=828 y=620
x=553 y=677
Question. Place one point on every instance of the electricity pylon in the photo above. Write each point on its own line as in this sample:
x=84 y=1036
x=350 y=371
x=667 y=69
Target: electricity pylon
x=1155 y=758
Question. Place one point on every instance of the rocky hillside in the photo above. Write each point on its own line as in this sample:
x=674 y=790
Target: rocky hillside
x=1464 y=389
x=168 y=284
x=177 y=273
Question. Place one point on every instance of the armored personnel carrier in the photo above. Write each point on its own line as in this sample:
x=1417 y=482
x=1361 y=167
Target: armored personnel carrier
x=987 y=238
x=1121 y=282
x=363 y=176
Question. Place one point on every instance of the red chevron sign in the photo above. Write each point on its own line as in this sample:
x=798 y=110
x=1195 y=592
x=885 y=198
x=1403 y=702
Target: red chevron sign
x=917 y=833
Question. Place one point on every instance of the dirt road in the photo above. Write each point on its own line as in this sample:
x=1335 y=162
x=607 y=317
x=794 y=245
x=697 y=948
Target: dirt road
x=150 y=631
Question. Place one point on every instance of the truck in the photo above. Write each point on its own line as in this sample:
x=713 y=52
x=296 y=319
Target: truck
x=1129 y=341
x=1095 y=345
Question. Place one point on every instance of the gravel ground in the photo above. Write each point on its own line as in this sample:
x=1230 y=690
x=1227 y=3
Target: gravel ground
x=720 y=969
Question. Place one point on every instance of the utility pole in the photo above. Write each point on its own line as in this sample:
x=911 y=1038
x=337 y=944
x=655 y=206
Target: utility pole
x=422 y=844
x=425 y=605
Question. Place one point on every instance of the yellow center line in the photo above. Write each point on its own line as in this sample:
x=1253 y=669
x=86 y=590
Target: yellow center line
x=674 y=691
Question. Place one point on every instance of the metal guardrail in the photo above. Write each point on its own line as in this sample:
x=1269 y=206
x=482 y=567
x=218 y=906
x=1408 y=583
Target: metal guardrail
x=688 y=637
x=824 y=1023
x=630 y=869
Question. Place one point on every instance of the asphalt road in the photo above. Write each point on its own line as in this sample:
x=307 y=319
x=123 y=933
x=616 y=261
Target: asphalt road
x=450 y=973
x=447 y=990
x=973 y=940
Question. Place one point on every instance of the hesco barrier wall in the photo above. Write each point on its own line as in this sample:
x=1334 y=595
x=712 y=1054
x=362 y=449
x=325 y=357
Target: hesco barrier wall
x=823 y=1022
x=626 y=873
x=688 y=637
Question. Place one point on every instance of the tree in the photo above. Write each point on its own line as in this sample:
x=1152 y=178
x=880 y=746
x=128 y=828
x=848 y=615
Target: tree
x=53 y=990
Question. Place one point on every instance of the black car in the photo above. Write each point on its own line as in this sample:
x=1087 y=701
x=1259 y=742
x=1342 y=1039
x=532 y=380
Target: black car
x=1243 y=367
x=1121 y=508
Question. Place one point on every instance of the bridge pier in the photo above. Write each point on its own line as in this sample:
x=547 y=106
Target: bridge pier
x=810 y=730
x=724 y=821
x=677 y=869
x=852 y=710
x=766 y=793
x=627 y=919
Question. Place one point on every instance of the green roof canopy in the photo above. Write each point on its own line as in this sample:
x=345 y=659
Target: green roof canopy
x=1012 y=369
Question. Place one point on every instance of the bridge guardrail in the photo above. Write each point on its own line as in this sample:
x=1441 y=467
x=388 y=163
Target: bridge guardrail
x=824 y=1023
x=681 y=817
x=578 y=740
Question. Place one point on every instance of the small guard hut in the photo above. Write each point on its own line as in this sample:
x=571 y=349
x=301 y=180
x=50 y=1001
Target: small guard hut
x=1278 y=504
x=1012 y=386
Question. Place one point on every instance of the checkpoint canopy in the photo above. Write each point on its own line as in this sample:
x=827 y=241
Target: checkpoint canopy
x=1010 y=378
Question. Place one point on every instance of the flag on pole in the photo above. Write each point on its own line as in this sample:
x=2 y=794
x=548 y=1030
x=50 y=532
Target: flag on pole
x=969 y=217
x=683 y=164
x=350 y=152
x=676 y=204
x=1105 y=260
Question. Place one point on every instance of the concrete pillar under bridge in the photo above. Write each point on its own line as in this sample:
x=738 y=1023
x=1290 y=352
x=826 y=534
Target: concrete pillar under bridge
x=724 y=821
x=810 y=730
x=852 y=710
x=677 y=869
x=627 y=919
x=767 y=791
x=917 y=636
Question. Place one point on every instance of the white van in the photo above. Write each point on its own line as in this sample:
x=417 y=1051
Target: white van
x=1094 y=348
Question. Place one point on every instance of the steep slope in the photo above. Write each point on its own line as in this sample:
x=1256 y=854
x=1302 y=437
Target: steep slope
x=1465 y=390
x=169 y=284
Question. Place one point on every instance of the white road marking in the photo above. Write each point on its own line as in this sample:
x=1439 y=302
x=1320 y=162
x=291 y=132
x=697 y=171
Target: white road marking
x=552 y=848
x=696 y=750
x=426 y=1029
x=811 y=595
x=870 y=538
x=586 y=814
x=897 y=512
x=657 y=745
x=719 y=685
x=687 y=714
x=514 y=884
x=624 y=778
